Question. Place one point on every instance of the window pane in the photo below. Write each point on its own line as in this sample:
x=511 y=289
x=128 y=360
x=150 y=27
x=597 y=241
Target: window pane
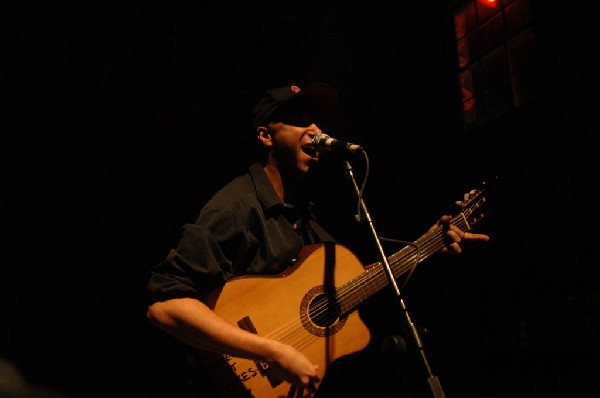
x=518 y=17
x=498 y=100
x=486 y=8
x=460 y=25
x=468 y=17
x=466 y=85
x=492 y=33
x=464 y=56
x=521 y=52
x=494 y=68
x=469 y=101
x=526 y=79
x=473 y=43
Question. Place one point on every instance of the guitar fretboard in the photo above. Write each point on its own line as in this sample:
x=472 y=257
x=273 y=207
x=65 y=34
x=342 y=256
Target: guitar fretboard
x=375 y=278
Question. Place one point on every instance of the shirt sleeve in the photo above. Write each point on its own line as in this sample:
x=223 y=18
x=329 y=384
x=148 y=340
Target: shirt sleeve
x=202 y=261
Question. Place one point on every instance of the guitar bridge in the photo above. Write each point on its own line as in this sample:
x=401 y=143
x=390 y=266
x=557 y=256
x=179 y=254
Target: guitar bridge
x=263 y=367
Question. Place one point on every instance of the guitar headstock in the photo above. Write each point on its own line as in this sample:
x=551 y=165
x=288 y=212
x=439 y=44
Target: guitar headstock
x=474 y=206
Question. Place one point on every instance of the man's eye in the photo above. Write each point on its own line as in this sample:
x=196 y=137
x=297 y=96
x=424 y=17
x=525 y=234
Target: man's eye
x=300 y=121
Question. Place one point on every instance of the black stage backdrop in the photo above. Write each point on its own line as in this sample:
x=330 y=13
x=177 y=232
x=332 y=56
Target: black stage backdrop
x=122 y=118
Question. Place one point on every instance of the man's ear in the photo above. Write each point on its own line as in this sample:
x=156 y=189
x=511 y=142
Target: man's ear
x=264 y=136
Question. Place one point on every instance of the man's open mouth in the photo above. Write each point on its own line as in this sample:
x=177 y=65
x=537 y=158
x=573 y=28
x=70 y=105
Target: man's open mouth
x=310 y=150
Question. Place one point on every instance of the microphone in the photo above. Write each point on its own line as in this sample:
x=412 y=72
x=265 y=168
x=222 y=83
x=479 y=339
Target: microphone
x=325 y=143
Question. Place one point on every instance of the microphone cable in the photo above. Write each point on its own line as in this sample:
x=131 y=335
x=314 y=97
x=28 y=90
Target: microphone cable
x=417 y=259
x=358 y=215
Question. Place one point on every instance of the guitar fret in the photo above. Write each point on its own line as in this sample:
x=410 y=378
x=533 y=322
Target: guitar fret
x=374 y=279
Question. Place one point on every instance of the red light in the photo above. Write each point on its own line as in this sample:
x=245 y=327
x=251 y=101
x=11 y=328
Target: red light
x=489 y=3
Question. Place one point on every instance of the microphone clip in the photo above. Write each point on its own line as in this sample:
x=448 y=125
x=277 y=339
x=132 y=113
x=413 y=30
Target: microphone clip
x=325 y=143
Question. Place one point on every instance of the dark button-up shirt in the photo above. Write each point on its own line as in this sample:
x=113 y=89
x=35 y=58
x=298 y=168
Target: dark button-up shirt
x=244 y=229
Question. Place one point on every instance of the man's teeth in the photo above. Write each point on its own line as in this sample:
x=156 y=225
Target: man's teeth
x=309 y=149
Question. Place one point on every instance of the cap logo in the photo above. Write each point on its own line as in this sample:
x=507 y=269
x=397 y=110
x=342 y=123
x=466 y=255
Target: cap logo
x=295 y=89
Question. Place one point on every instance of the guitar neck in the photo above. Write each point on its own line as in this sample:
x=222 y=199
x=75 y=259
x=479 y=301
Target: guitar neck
x=375 y=278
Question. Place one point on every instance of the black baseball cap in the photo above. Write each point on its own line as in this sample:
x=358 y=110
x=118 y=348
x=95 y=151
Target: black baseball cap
x=319 y=99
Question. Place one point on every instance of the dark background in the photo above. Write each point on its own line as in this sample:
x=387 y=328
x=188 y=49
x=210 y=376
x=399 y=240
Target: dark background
x=122 y=118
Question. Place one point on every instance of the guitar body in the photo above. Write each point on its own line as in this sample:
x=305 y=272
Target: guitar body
x=296 y=307
x=312 y=306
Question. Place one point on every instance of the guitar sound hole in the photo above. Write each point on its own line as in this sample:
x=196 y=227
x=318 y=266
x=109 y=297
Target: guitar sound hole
x=324 y=310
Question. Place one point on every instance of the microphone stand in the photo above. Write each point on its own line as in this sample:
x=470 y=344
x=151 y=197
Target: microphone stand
x=432 y=380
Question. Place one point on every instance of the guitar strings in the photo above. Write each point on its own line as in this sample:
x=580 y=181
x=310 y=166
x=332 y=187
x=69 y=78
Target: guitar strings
x=350 y=289
x=365 y=285
x=372 y=275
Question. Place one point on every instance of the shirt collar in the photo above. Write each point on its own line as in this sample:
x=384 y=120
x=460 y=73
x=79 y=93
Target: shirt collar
x=265 y=192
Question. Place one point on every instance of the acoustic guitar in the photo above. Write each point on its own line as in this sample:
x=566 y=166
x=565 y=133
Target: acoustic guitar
x=312 y=306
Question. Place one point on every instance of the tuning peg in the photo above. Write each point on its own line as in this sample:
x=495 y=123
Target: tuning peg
x=462 y=202
x=466 y=197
